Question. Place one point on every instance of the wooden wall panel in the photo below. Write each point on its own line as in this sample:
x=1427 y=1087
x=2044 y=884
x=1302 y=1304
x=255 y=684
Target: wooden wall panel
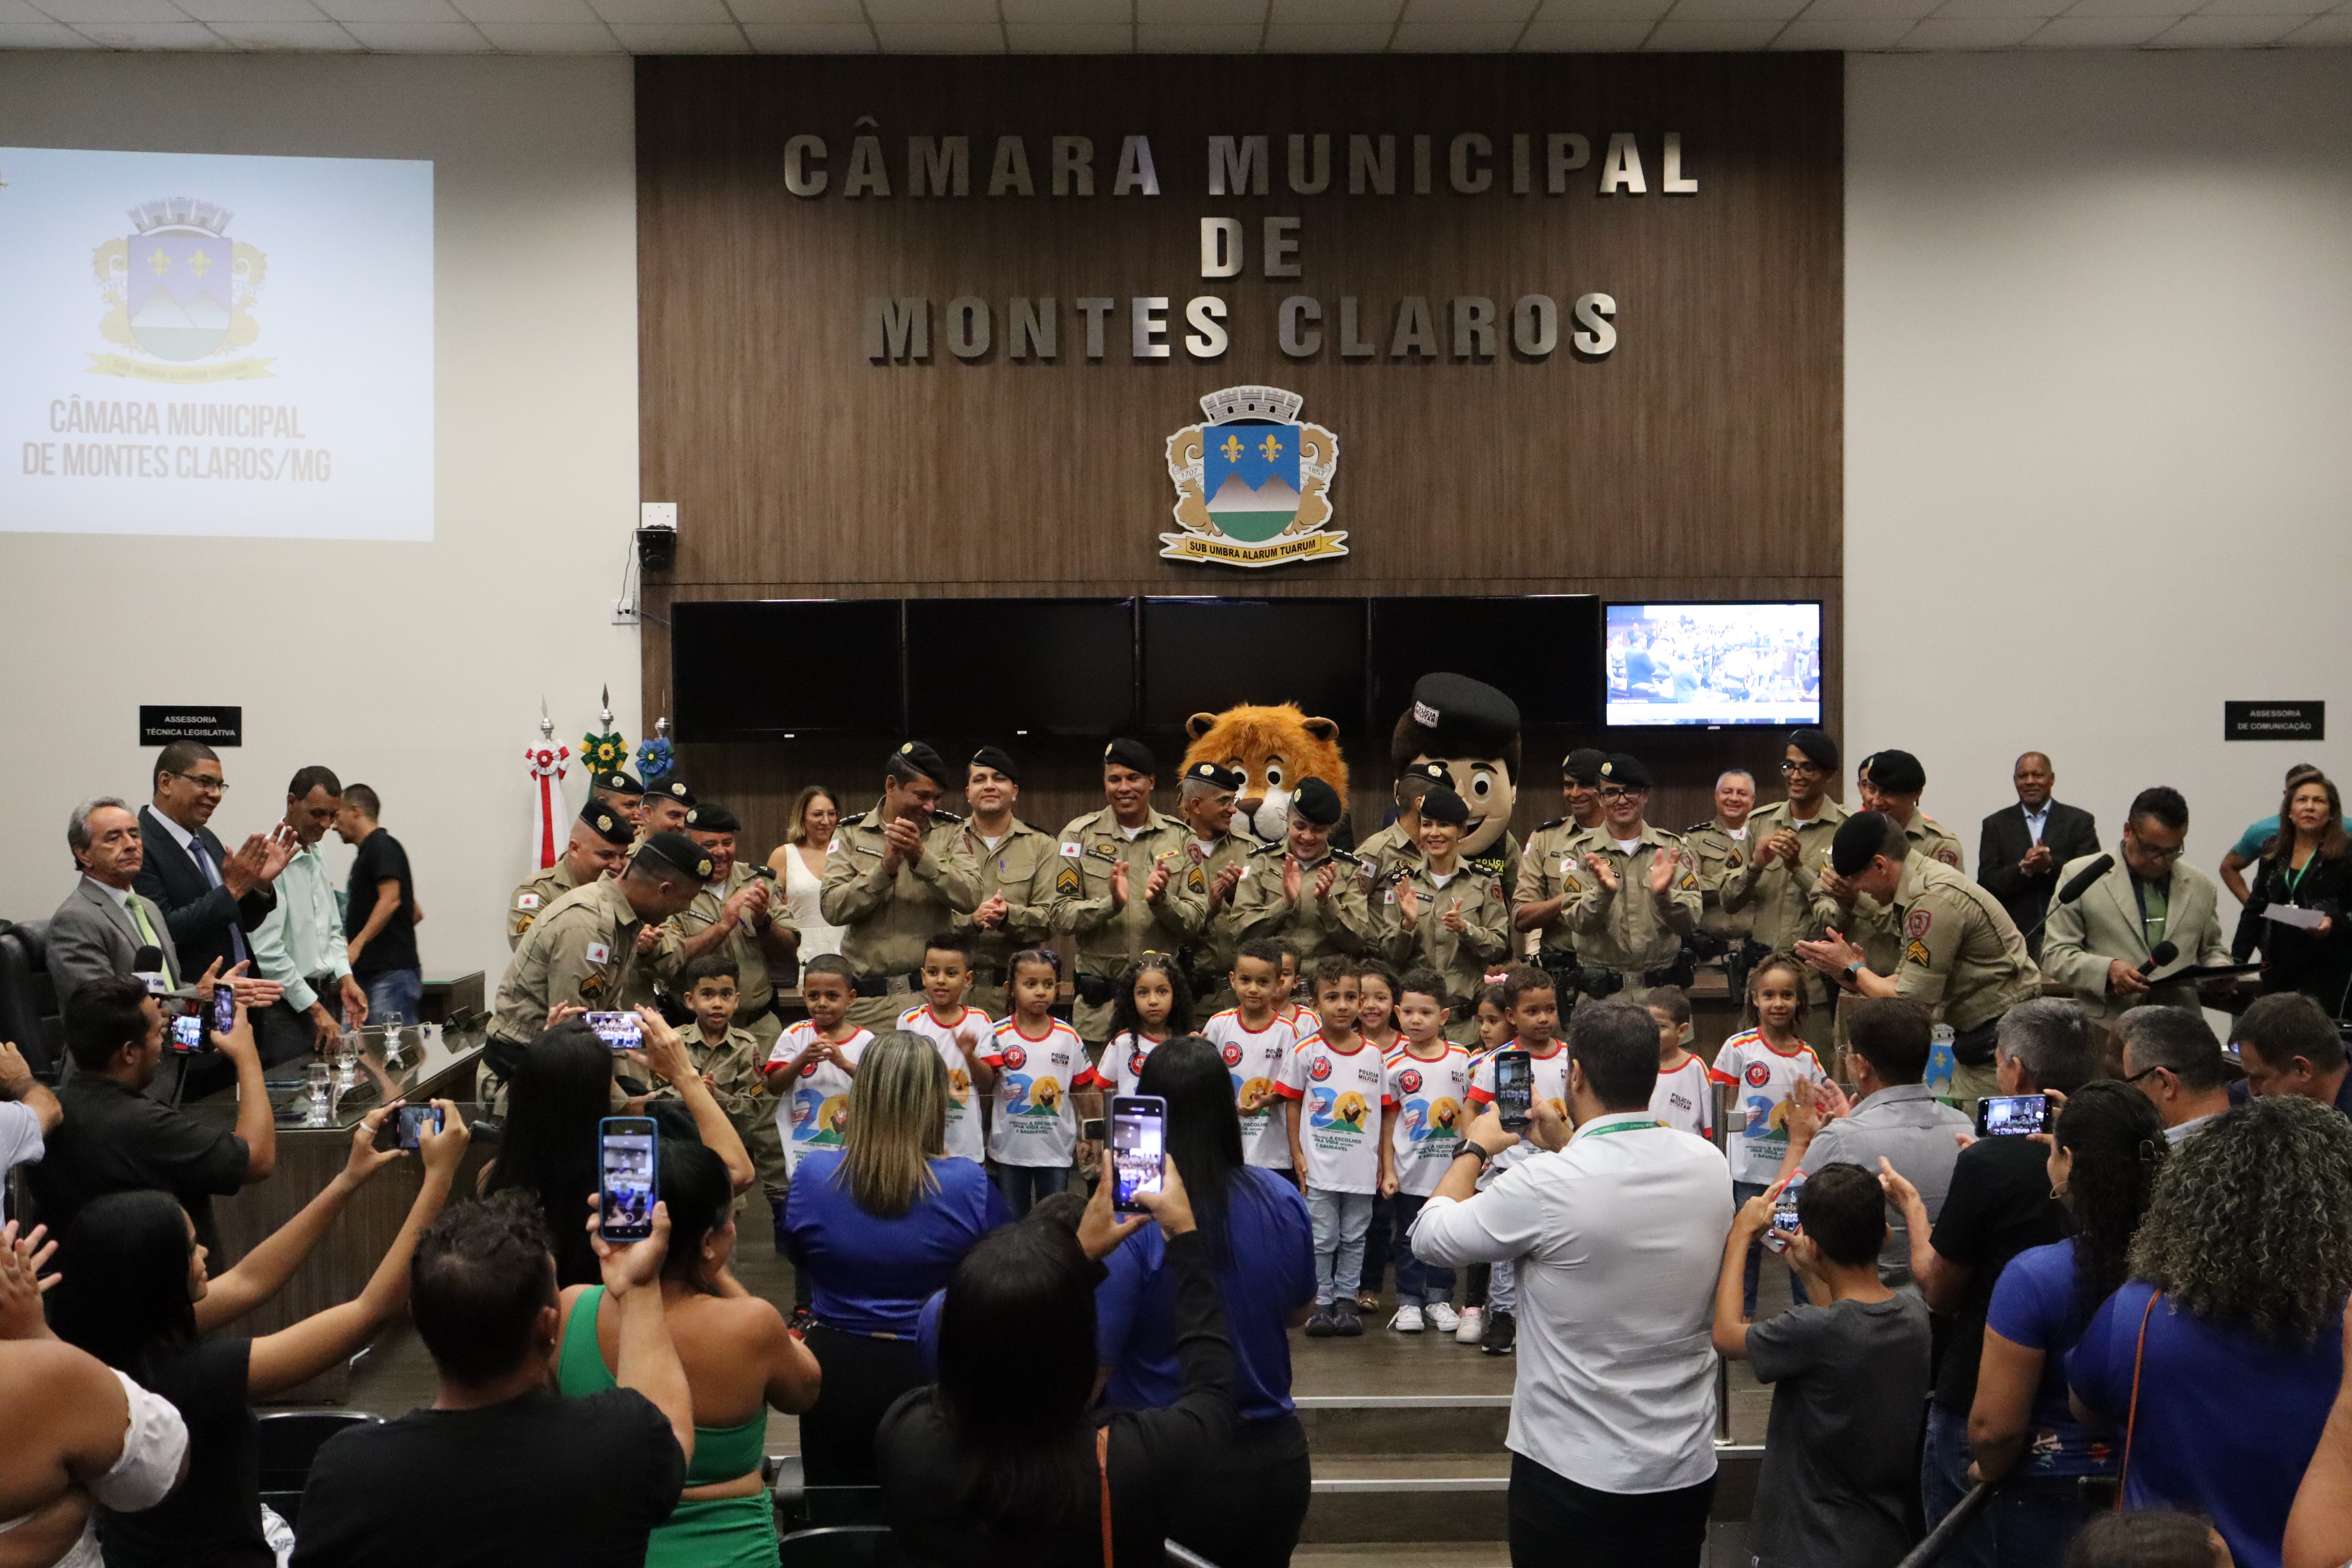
x=1700 y=459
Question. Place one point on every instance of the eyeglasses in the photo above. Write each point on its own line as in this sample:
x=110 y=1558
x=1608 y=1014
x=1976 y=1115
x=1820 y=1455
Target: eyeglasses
x=211 y=786
x=1618 y=791
x=2156 y=851
x=1800 y=768
x=2143 y=1072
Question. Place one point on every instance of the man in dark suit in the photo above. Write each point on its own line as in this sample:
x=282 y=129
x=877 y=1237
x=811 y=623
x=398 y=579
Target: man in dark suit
x=209 y=897
x=2023 y=846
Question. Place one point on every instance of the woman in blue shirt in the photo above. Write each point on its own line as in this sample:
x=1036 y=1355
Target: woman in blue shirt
x=878 y=1225
x=2238 y=1275
x=2107 y=1149
x=1248 y=1507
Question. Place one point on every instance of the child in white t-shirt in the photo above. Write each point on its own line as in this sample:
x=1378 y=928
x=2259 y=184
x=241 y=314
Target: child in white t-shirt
x=1335 y=1085
x=1042 y=1072
x=1428 y=1093
x=1256 y=1040
x=1152 y=1005
x=809 y=1070
x=1684 y=1098
x=1529 y=1001
x=959 y=1033
x=1769 y=1062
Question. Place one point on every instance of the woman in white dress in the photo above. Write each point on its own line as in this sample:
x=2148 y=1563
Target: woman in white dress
x=799 y=864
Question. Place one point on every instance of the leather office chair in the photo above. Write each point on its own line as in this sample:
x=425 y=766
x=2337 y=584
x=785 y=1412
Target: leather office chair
x=29 y=1014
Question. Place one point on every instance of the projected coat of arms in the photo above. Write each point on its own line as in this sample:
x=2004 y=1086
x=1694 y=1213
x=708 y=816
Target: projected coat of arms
x=179 y=290
x=1253 y=483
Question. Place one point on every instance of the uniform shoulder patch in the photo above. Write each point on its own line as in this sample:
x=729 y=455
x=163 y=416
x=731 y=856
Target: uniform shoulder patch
x=1732 y=861
x=523 y=924
x=1345 y=858
x=852 y=819
x=949 y=818
x=1689 y=882
x=1915 y=924
x=1949 y=856
x=1196 y=881
x=1067 y=883
x=598 y=954
x=526 y=901
x=1696 y=827
x=1916 y=953
x=1273 y=848
x=1072 y=850
x=592 y=987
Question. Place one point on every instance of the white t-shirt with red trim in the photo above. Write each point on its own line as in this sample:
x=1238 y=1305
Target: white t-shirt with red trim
x=1255 y=1059
x=812 y=1110
x=1035 y=1123
x=1684 y=1098
x=1122 y=1061
x=1550 y=1077
x=1341 y=1094
x=1431 y=1100
x=965 y=1138
x=1765 y=1079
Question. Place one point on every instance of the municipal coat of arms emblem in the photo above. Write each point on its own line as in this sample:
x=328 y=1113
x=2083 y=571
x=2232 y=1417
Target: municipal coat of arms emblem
x=1253 y=483
x=179 y=290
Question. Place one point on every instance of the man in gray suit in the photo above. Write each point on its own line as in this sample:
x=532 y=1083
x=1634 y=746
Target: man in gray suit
x=2097 y=943
x=104 y=922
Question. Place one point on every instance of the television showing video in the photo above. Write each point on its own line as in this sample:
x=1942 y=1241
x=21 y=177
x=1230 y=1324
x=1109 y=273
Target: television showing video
x=1714 y=664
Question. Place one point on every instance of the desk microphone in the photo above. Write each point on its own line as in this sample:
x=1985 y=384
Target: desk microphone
x=2162 y=954
x=2081 y=883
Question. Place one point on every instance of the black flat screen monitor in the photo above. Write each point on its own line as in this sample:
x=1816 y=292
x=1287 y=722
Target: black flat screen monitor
x=774 y=669
x=1202 y=655
x=1000 y=669
x=1540 y=650
x=1716 y=665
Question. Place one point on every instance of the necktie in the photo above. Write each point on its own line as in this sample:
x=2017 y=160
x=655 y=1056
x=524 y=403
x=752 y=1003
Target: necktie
x=238 y=952
x=147 y=935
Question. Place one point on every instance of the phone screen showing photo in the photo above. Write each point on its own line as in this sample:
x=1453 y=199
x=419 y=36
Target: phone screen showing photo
x=412 y=1120
x=188 y=1033
x=2011 y=1115
x=1515 y=1088
x=627 y=1150
x=619 y=1031
x=1137 y=1145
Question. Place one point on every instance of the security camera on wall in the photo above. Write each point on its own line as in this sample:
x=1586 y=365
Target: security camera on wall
x=657 y=535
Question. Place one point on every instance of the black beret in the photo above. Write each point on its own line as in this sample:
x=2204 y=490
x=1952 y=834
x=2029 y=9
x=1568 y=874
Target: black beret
x=674 y=789
x=708 y=818
x=607 y=824
x=1442 y=805
x=616 y=783
x=1460 y=717
x=1625 y=770
x=1318 y=802
x=678 y=850
x=1207 y=772
x=1583 y=765
x=1132 y=755
x=1895 y=773
x=1419 y=776
x=1859 y=837
x=1816 y=747
x=997 y=760
x=924 y=761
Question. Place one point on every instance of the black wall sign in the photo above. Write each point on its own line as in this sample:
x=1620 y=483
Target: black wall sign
x=160 y=724
x=2273 y=720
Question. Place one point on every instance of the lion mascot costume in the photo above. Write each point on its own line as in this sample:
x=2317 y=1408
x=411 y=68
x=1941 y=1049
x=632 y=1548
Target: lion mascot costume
x=1270 y=750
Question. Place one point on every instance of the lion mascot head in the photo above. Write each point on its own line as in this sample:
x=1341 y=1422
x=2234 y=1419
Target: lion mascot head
x=1272 y=748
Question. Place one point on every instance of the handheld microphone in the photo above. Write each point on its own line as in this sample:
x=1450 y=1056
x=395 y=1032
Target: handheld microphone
x=2162 y=954
x=2078 y=884
x=147 y=965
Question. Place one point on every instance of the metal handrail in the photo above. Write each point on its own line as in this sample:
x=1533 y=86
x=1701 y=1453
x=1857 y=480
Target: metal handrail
x=1966 y=1508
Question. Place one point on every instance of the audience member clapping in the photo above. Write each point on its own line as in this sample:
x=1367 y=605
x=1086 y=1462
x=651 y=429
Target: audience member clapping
x=136 y=1295
x=879 y=1225
x=2214 y=1367
x=561 y=1091
x=1002 y=1464
x=81 y=1436
x=1247 y=1509
x=29 y=1112
x=1838 y=1478
x=503 y=1471
x=739 y=1361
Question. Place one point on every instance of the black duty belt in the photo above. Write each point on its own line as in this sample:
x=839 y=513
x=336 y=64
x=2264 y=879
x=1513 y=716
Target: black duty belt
x=880 y=985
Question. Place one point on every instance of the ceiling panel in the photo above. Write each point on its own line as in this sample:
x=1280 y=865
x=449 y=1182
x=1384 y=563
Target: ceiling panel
x=809 y=37
x=1198 y=37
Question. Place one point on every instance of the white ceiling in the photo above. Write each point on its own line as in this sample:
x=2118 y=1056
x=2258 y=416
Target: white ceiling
x=1154 y=26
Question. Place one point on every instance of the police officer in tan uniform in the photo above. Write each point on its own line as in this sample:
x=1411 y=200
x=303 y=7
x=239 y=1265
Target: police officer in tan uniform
x=895 y=876
x=1124 y=885
x=623 y=794
x=1205 y=800
x=1551 y=868
x=600 y=843
x=1721 y=846
x=1892 y=784
x=1016 y=865
x=1779 y=886
x=668 y=805
x=1958 y=953
x=1399 y=841
x=1438 y=913
x=1304 y=892
x=1642 y=897
x=731 y=915
x=581 y=950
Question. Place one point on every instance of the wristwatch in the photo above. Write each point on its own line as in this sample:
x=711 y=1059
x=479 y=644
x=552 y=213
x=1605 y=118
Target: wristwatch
x=1852 y=976
x=1481 y=1155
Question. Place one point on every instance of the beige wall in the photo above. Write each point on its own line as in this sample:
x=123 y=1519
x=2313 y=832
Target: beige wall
x=2098 y=326
x=415 y=668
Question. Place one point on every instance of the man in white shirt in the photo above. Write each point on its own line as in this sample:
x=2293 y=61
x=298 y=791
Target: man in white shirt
x=1617 y=1234
x=300 y=945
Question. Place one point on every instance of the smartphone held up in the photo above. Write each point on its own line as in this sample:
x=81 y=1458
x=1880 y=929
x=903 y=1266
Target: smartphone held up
x=626 y=1147
x=1139 y=1143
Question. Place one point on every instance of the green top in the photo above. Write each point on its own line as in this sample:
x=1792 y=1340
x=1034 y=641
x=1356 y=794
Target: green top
x=721 y=1453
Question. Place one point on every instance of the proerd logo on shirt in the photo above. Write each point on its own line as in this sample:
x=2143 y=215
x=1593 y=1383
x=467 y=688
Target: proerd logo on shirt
x=1014 y=1056
x=1233 y=1055
x=1322 y=1070
x=1759 y=1075
x=1135 y=1060
x=1408 y=1080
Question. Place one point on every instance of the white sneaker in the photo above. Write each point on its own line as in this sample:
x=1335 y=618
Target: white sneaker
x=1473 y=1327
x=1442 y=1317
x=1407 y=1319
